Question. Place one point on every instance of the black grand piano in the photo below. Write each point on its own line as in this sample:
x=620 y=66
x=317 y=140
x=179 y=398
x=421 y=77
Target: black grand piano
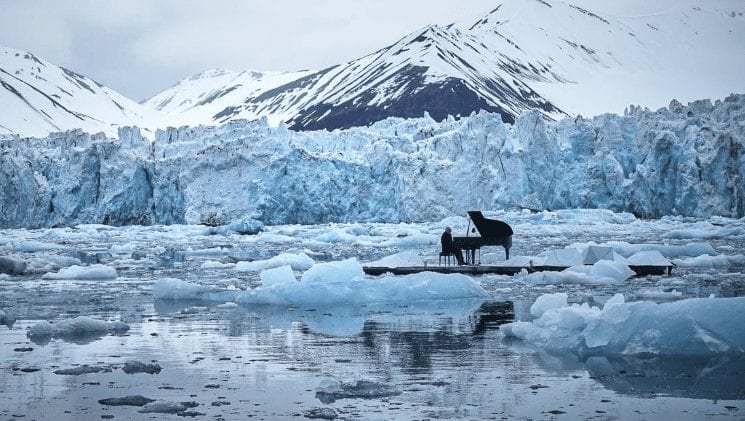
x=492 y=233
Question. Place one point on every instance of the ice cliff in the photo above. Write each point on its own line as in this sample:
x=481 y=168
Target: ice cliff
x=681 y=160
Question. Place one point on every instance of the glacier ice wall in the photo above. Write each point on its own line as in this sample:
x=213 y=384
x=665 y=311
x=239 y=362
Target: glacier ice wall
x=681 y=160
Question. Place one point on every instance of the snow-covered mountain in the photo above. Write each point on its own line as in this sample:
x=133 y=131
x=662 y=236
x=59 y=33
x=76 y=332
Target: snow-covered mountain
x=37 y=97
x=560 y=57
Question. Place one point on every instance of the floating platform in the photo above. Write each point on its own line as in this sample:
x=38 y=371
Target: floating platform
x=499 y=270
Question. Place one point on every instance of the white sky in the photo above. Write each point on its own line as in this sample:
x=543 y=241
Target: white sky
x=140 y=47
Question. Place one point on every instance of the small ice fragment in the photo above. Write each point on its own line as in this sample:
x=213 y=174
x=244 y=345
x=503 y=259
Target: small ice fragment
x=93 y=272
x=280 y=275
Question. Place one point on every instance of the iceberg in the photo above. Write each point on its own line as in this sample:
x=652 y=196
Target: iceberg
x=93 y=272
x=692 y=327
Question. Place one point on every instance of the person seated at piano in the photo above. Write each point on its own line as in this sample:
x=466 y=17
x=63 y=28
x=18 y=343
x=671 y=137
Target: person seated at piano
x=449 y=248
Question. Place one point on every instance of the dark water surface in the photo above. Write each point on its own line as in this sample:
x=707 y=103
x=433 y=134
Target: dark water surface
x=424 y=360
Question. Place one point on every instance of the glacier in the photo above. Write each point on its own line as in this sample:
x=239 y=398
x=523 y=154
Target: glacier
x=686 y=160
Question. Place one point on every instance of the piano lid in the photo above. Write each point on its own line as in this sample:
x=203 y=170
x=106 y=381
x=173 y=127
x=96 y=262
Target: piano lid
x=489 y=227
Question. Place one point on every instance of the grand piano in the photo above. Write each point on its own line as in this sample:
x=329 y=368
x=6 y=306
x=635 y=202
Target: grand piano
x=491 y=232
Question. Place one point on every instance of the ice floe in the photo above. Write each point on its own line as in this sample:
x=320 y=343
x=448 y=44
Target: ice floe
x=338 y=282
x=72 y=329
x=330 y=391
x=279 y=275
x=602 y=272
x=404 y=258
x=299 y=261
x=700 y=326
x=12 y=266
x=93 y=272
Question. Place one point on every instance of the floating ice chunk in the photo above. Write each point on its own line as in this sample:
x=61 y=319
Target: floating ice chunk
x=404 y=258
x=557 y=278
x=410 y=241
x=299 y=261
x=648 y=258
x=41 y=329
x=333 y=283
x=61 y=261
x=520 y=261
x=213 y=264
x=605 y=271
x=278 y=275
x=162 y=407
x=337 y=235
x=330 y=390
x=336 y=272
x=602 y=272
x=121 y=249
x=12 y=266
x=563 y=257
x=246 y=226
x=176 y=289
x=229 y=304
x=133 y=367
x=656 y=294
x=208 y=252
x=93 y=272
x=595 y=216
x=706 y=231
x=669 y=251
x=702 y=326
x=75 y=328
x=704 y=261
x=32 y=246
x=136 y=400
x=547 y=302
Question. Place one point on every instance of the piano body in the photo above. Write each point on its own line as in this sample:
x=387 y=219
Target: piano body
x=492 y=233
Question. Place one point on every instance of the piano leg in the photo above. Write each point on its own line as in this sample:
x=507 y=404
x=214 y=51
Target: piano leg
x=507 y=253
x=473 y=256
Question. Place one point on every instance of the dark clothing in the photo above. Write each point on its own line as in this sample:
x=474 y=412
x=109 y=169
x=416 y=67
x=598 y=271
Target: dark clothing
x=449 y=247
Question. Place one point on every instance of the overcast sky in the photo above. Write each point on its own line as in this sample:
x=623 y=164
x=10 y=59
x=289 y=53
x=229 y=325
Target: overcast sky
x=140 y=47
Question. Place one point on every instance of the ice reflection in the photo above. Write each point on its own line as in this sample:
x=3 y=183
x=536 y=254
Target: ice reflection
x=679 y=376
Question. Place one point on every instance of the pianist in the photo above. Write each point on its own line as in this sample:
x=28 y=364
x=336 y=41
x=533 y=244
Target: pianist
x=448 y=247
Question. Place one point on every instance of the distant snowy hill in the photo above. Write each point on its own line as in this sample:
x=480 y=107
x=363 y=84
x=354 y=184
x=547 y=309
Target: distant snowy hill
x=559 y=57
x=37 y=97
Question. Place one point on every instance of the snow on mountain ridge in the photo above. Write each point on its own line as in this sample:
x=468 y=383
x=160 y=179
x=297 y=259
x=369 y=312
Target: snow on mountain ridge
x=39 y=97
x=560 y=57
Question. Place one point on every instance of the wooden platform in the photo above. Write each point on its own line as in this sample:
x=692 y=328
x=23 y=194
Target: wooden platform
x=498 y=270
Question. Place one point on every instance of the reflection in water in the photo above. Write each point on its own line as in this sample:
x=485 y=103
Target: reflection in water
x=413 y=335
x=680 y=376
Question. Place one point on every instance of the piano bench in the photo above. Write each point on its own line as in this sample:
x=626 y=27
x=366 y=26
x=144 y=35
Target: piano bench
x=447 y=256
